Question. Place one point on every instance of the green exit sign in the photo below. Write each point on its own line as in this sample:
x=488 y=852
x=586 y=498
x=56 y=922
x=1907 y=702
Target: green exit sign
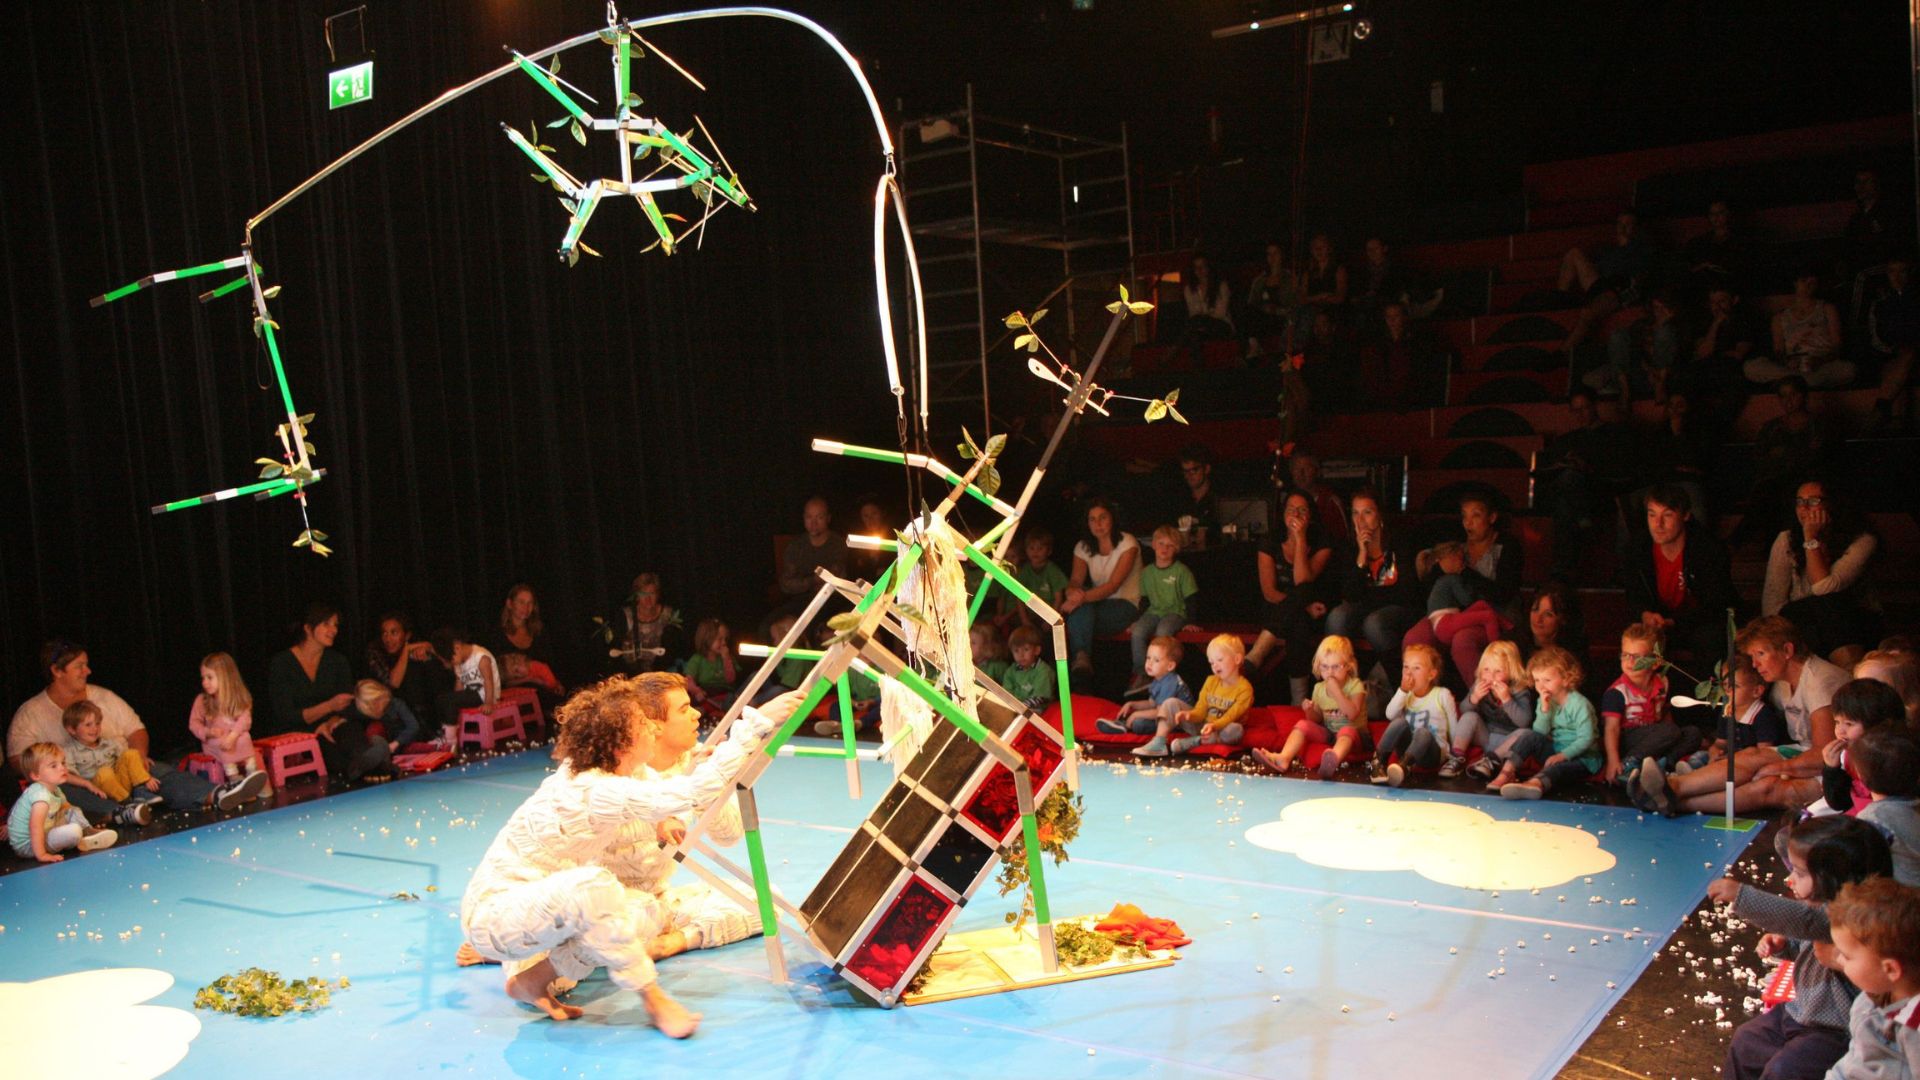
x=350 y=85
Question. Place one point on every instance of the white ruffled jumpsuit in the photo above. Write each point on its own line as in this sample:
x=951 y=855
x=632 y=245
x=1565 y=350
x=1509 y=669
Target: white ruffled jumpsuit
x=544 y=886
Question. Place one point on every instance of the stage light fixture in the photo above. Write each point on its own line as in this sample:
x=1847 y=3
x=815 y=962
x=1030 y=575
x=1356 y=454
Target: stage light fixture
x=1274 y=21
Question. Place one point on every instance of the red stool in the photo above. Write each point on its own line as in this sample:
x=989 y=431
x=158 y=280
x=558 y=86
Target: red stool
x=527 y=701
x=205 y=765
x=489 y=726
x=296 y=753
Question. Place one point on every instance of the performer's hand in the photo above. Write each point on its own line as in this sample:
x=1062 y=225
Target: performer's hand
x=671 y=831
x=776 y=712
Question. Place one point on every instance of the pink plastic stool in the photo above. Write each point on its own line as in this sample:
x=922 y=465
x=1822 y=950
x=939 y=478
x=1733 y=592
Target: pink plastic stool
x=491 y=726
x=527 y=701
x=205 y=765
x=297 y=753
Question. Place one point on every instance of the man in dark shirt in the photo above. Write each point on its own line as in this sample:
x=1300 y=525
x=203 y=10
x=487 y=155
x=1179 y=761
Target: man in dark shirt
x=1719 y=257
x=1731 y=336
x=1680 y=580
x=1198 y=500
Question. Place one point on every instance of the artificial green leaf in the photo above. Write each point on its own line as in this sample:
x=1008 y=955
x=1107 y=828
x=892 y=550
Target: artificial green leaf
x=311 y=452
x=674 y=217
x=1116 y=306
x=1703 y=689
x=1022 y=341
x=539 y=178
x=579 y=133
x=1139 y=307
x=1036 y=316
x=1015 y=321
x=544 y=148
x=1123 y=294
x=572 y=207
x=846 y=620
x=911 y=613
x=265 y=461
x=1648 y=661
x=633 y=101
x=303 y=539
x=609 y=37
x=573 y=256
x=588 y=250
x=317 y=534
x=989 y=481
x=1156 y=410
x=560 y=123
x=560 y=187
x=996 y=445
x=1173 y=397
x=641 y=150
x=270 y=292
x=272 y=470
x=554 y=68
x=1175 y=413
x=321 y=550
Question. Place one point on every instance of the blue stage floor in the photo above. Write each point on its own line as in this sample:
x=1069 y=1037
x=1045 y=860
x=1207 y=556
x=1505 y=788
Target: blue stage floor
x=1375 y=986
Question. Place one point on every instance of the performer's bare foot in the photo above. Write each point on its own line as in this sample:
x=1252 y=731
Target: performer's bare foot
x=671 y=1017
x=671 y=943
x=467 y=956
x=530 y=987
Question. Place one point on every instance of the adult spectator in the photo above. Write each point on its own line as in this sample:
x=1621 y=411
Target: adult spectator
x=1789 y=446
x=1329 y=510
x=1893 y=330
x=1197 y=499
x=1806 y=341
x=1678 y=578
x=1765 y=777
x=37 y=720
x=1553 y=618
x=309 y=682
x=819 y=548
x=1607 y=280
x=1103 y=592
x=1721 y=352
x=1401 y=369
x=1641 y=355
x=1579 y=468
x=1493 y=572
x=1209 y=304
x=1876 y=229
x=1816 y=574
x=520 y=644
x=654 y=639
x=1292 y=563
x=1323 y=283
x=1380 y=583
x=406 y=666
x=1720 y=257
x=874 y=522
x=1271 y=301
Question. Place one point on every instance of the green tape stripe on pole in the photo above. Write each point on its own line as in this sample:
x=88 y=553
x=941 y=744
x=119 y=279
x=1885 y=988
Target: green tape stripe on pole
x=725 y=187
x=1066 y=701
x=995 y=573
x=579 y=223
x=813 y=698
x=279 y=372
x=539 y=160
x=122 y=291
x=215 y=294
x=994 y=534
x=762 y=888
x=533 y=71
x=1036 y=877
x=816 y=751
x=911 y=679
x=700 y=164
x=979 y=600
x=208 y=268
x=846 y=716
x=626 y=70
x=222 y=496
x=879 y=589
x=659 y=223
x=867 y=453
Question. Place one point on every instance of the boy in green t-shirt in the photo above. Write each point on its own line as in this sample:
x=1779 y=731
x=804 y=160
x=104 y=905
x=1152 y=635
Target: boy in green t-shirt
x=1028 y=679
x=1168 y=589
x=1040 y=574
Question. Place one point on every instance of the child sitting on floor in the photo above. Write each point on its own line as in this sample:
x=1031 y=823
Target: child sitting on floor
x=1336 y=711
x=1876 y=945
x=43 y=823
x=1168 y=590
x=106 y=765
x=710 y=671
x=1859 y=706
x=1215 y=715
x=1808 y=1034
x=1028 y=679
x=989 y=651
x=1167 y=694
x=1638 y=724
x=1500 y=702
x=1563 y=736
x=1756 y=720
x=1420 y=719
x=373 y=701
x=222 y=718
x=1888 y=758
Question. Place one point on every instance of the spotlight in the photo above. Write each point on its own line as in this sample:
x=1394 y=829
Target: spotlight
x=1362 y=29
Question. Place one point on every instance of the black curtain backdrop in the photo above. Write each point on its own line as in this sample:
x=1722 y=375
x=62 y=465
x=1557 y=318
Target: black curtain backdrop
x=486 y=414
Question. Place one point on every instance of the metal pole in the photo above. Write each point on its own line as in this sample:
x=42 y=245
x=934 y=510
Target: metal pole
x=979 y=272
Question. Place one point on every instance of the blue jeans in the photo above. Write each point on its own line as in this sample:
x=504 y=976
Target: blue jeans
x=1097 y=618
x=1538 y=745
x=1417 y=746
x=1145 y=629
x=1383 y=627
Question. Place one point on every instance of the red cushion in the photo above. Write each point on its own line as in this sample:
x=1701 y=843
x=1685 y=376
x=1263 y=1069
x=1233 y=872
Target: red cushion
x=1086 y=710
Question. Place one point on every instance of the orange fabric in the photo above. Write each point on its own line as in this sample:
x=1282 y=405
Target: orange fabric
x=1146 y=931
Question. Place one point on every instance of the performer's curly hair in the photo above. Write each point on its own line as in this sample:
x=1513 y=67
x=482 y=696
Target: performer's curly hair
x=596 y=723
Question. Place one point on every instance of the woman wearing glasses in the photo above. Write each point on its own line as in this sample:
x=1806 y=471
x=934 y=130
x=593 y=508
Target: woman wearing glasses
x=1816 y=574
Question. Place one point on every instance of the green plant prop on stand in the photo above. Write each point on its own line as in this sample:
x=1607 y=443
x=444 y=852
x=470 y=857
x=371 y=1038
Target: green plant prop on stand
x=1715 y=691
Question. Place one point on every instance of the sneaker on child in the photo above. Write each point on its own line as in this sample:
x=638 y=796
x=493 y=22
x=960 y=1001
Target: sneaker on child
x=235 y=792
x=1156 y=748
x=133 y=813
x=1453 y=767
x=97 y=839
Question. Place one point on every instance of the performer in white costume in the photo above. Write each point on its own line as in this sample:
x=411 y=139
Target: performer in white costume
x=544 y=885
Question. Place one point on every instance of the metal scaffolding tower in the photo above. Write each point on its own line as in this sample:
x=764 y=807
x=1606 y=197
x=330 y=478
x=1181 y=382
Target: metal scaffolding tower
x=1005 y=212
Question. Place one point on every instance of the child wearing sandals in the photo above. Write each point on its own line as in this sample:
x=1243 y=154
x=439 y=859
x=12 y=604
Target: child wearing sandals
x=1500 y=702
x=1335 y=712
x=1564 y=737
x=1215 y=715
x=1420 y=719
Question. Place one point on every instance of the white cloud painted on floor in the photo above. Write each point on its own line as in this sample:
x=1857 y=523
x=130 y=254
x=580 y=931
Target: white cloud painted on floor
x=92 y=1023
x=1443 y=842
